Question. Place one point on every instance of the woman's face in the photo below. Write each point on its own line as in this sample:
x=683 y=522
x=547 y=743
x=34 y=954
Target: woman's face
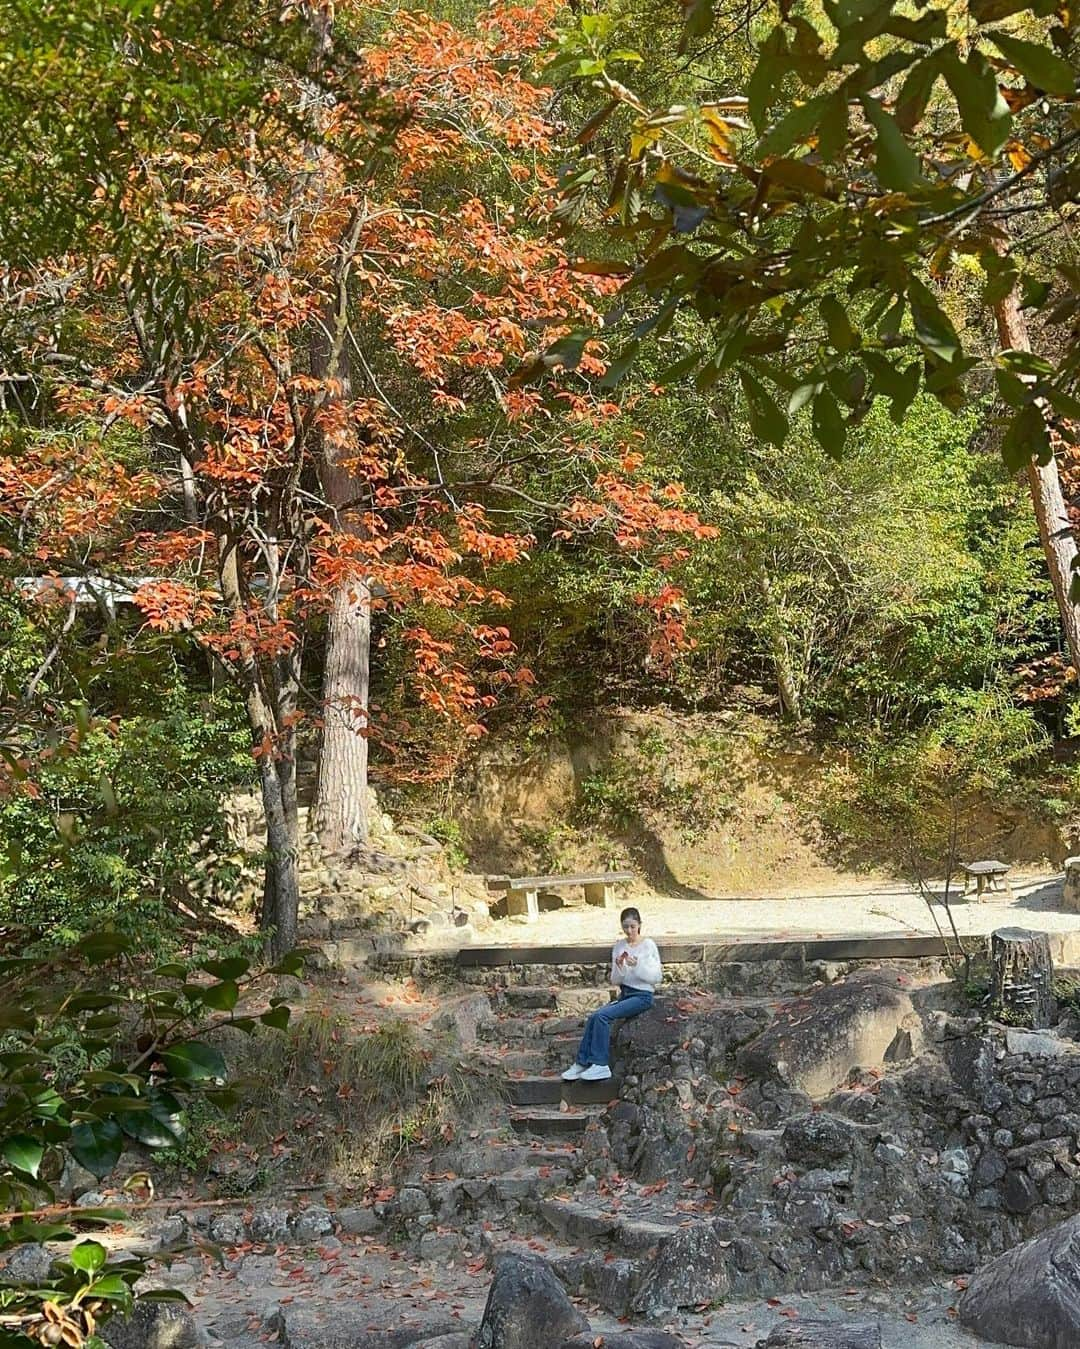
x=632 y=928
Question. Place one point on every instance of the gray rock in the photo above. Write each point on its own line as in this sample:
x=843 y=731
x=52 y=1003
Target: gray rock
x=816 y=1041
x=465 y=1018
x=341 y=1326
x=270 y=1225
x=358 y=1221
x=818 y=1139
x=626 y=1339
x=824 y=1335
x=440 y=1246
x=1019 y=1192
x=990 y=1167
x=1059 y=1190
x=412 y=1202
x=458 y=1340
x=1038 y=1044
x=692 y=1266
x=527 y=1307
x=152 y=1325
x=28 y=1263
x=227 y=1229
x=1030 y=1296
x=312 y=1224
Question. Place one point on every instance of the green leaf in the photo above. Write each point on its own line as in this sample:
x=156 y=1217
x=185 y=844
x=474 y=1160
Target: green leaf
x=767 y=422
x=895 y=163
x=171 y=971
x=833 y=126
x=101 y=946
x=802 y=395
x=834 y=316
x=194 y=1062
x=1039 y=65
x=112 y=1287
x=23 y=1153
x=984 y=114
x=933 y=328
x=1026 y=438
x=233 y=968
x=830 y=430
x=797 y=126
x=619 y=366
x=88 y=1256
x=221 y=997
x=915 y=92
x=1064 y=404
x=293 y=963
x=766 y=83
x=159 y=1127
x=97 y=1145
x=677 y=369
x=277 y=1017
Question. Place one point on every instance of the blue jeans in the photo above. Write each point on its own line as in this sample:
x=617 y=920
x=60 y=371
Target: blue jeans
x=596 y=1042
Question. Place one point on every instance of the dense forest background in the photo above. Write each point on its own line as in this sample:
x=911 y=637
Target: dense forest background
x=401 y=553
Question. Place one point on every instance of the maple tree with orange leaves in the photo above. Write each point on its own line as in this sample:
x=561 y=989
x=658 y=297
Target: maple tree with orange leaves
x=324 y=377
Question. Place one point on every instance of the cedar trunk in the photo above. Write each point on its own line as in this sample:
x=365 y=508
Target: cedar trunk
x=1055 y=530
x=1022 y=978
x=341 y=817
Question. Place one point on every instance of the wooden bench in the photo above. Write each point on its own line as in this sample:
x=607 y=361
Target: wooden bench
x=522 y=892
x=990 y=875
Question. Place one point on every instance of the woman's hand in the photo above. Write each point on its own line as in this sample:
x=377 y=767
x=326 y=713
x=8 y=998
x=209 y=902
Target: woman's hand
x=630 y=960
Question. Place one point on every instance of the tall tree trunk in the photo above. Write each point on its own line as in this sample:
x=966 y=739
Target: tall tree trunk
x=1055 y=530
x=341 y=813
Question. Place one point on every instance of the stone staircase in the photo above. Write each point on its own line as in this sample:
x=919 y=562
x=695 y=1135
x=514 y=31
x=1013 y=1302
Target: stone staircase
x=556 y=1182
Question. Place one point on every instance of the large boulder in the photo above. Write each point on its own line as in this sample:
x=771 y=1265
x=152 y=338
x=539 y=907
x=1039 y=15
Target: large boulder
x=817 y=1040
x=329 y=1326
x=691 y=1267
x=1030 y=1296
x=527 y=1307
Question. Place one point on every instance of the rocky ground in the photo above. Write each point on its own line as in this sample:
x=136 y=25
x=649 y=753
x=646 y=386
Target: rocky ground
x=845 y=1151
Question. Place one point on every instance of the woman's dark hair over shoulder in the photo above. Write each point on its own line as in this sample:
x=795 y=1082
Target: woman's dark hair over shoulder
x=630 y=913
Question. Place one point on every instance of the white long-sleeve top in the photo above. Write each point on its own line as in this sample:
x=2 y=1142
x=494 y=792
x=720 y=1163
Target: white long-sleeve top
x=646 y=975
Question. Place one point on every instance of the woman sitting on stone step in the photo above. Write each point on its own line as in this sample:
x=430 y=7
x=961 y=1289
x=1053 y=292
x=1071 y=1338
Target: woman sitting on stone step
x=636 y=972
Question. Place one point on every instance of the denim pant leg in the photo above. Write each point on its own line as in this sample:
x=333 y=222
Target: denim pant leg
x=596 y=1042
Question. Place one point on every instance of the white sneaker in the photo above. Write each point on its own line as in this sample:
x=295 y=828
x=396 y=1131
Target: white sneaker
x=573 y=1073
x=599 y=1072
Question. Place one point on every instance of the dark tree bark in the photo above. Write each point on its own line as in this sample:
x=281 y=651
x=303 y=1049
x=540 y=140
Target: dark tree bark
x=1022 y=978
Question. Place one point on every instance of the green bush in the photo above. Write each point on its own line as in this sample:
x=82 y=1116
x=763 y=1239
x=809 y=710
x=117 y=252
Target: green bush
x=111 y=828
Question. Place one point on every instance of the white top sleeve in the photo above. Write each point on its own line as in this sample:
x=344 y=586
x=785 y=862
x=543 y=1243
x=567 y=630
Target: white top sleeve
x=648 y=973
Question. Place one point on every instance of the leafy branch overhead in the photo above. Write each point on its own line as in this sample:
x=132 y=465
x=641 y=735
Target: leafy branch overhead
x=809 y=212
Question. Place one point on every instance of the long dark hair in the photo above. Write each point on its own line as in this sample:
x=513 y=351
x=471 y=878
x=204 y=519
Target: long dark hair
x=629 y=913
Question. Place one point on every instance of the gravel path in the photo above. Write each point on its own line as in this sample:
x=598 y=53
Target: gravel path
x=857 y=911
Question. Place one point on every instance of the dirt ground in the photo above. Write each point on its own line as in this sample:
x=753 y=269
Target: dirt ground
x=858 y=909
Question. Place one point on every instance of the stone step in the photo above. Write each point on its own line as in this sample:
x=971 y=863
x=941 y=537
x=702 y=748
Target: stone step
x=524 y=1030
x=548 y=1122
x=630 y=1230
x=528 y=995
x=550 y=1089
x=597 y=1275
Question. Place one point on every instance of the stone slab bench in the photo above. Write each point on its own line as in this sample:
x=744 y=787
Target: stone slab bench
x=523 y=892
x=988 y=875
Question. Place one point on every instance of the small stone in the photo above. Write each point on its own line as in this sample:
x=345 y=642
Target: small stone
x=1018 y=1192
x=152 y=1325
x=227 y=1229
x=312 y=1224
x=990 y=1167
x=440 y=1246
x=28 y=1263
x=1031 y=1133
x=357 y=1221
x=1059 y=1190
x=270 y=1225
x=989 y=1199
x=1039 y=1168
x=1003 y=1138
x=412 y=1202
